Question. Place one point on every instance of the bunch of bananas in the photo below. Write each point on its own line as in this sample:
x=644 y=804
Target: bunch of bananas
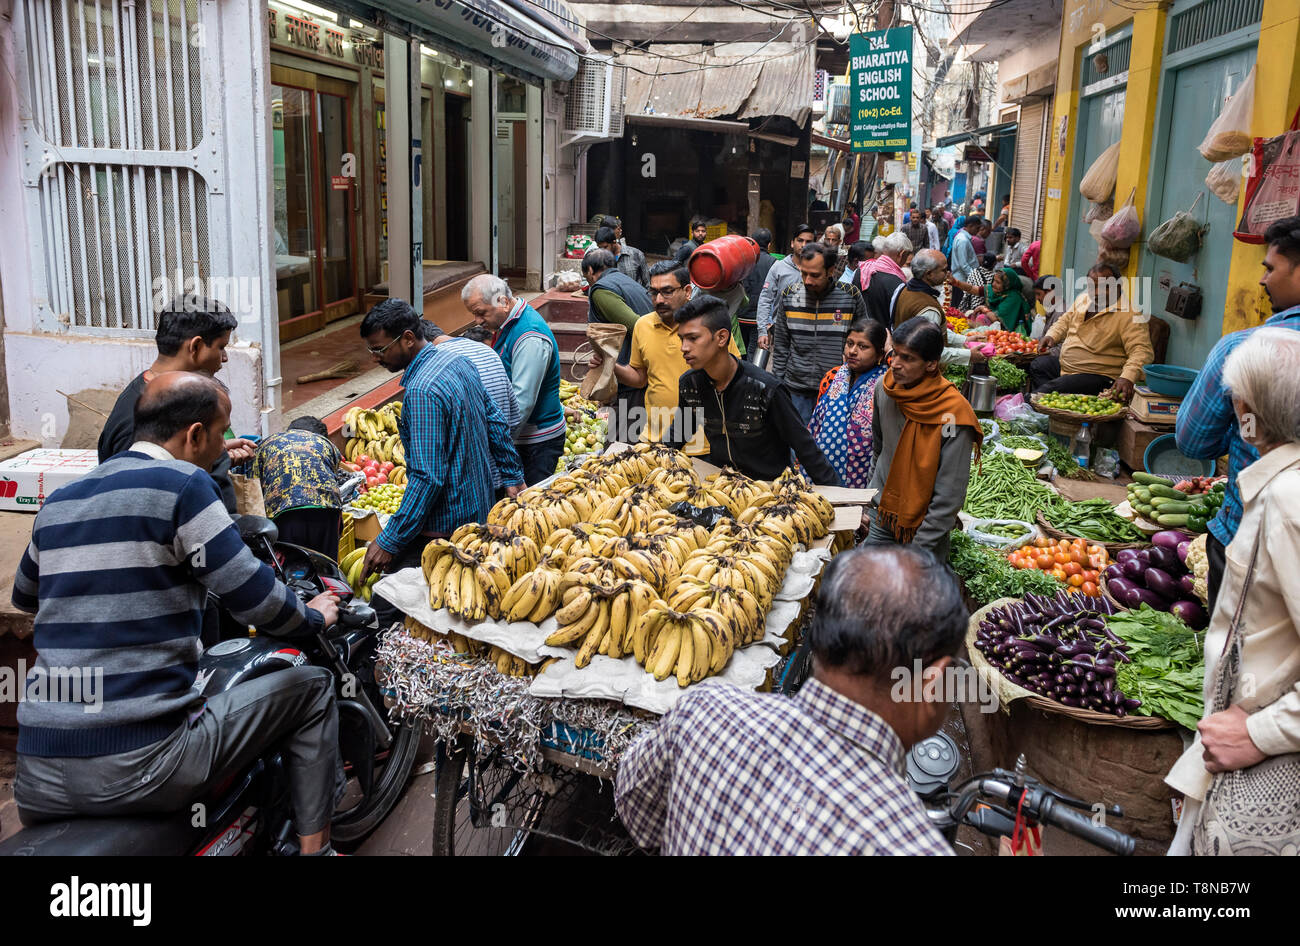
x=736 y=490
x=584 y=539
x=468 y=584
x=692 y=644
x=600 y=613
x=538 y=513
x=757 y=574
x=535 y=596
x=351 y=567
x=517 y=554
x=788 y=521
x=738 y=606
x=375 y=434
x=632 y=509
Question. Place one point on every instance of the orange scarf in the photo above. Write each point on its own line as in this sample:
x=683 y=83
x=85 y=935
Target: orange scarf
x=928 y=408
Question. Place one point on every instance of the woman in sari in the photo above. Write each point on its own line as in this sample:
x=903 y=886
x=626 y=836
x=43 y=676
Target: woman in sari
x=1005 y=305
x=841 y=420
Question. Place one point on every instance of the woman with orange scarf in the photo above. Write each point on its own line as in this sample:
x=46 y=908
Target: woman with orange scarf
x=923 y=432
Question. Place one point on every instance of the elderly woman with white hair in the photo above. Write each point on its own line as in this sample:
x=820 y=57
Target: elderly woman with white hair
x=1241 y=776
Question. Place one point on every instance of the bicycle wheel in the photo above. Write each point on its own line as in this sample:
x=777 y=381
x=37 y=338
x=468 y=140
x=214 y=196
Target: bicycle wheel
x=357 y=821
x=471 y=794
x=798 y=667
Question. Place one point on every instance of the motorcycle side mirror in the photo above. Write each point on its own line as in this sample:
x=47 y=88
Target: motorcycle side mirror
x=252 y=528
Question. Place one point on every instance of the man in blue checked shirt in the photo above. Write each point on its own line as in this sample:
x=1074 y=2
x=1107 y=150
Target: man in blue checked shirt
x=732 y=771
x=452 y=433
x=1207 y=424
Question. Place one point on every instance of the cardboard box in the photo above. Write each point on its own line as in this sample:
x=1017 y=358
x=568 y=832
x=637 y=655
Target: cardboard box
x=1151 y=408
x=27 y=479
x=1134 y=437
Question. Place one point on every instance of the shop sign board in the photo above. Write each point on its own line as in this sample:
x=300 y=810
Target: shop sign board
x=880 y=115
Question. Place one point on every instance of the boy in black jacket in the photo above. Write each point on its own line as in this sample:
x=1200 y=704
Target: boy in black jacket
x=749 y=420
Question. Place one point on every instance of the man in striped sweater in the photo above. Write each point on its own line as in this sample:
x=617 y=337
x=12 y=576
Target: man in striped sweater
x=117 y=573
x=812 y=318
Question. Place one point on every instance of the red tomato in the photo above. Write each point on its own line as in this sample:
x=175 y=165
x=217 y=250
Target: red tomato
x=1076 y=581
x=1089 y=588
x=1045 y=562
x=1073 y=568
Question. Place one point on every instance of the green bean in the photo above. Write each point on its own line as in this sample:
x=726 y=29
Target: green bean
x=1002 y=488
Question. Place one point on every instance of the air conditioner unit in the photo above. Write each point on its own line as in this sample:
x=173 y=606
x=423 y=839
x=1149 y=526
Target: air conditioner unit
x=593 y=109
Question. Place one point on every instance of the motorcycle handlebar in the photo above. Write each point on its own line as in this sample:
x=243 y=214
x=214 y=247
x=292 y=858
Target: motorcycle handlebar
x=1054 y=812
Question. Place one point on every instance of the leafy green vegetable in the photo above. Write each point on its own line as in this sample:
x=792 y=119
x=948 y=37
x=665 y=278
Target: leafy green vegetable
x=1059 y=456
x=1094 y=519
x=1009 y=377
x=988 y=575
x=1022 y=443
x=1168 y=665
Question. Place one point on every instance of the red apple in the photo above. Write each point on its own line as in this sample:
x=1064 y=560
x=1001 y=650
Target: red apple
x=363 y=459
x=386 y=467
x=382 y=478
x=372 y=481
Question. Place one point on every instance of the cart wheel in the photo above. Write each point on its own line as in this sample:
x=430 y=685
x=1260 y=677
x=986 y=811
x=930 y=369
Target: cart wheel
x=355 y=824
x=466 y=789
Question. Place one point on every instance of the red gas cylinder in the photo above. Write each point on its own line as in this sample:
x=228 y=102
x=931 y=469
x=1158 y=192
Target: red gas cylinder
x=721 y=263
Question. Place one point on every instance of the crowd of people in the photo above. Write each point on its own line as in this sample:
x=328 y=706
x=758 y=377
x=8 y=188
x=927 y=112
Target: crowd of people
x=848 y=341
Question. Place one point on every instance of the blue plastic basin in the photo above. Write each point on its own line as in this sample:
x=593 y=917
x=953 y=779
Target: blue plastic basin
x=1163 y=459
x=1170 y=380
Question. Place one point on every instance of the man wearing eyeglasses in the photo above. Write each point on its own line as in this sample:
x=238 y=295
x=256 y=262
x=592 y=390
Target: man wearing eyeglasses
x=920 y=297
x=453 y=434
x=655 y=361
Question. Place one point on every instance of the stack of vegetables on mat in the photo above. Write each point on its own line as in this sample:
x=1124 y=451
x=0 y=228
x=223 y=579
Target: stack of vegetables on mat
x=1084 y=653
x=1070 y=561
x=1008 y=376
x=1188 y=506
x=1159 y=578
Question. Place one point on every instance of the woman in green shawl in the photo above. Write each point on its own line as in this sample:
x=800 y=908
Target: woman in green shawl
x=1003 y=301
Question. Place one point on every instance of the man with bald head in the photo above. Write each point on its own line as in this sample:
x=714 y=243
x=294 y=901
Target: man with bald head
x=731 y=771
x=117 y=573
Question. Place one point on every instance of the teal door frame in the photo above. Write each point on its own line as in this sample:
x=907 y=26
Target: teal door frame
x=1171 y=63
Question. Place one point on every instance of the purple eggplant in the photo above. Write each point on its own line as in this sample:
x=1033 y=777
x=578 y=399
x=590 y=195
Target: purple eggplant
x=1143 y=596
x=1190 y=613
x=1134 y=569
x=1170 y=539
x=1187 y=584
x=1121 y=590
x=1182 y=551
x=1114 y=571
x=1163 y=558
x=1162 y=583
x=1124 y=555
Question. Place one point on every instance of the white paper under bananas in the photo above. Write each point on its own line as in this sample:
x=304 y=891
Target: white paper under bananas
x=409 y=593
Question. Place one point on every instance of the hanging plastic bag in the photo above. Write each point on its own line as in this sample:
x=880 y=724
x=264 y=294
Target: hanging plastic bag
x=1229 y=135
x=1274 y=192
x=1099 y=183
x=1179 y=237
x=1224 y=180
x=1116 y=256
x=1123 y=228
x=1095 y=212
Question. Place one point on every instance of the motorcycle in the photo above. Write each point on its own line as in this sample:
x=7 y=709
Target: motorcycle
x=249 y=811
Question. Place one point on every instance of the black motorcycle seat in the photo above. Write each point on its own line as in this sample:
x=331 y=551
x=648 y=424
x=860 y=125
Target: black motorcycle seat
x=170 y=834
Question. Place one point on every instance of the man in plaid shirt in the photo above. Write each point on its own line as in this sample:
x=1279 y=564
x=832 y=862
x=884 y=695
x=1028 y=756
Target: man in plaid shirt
x=454 y=436
x=730 y=771
x=1207 y=424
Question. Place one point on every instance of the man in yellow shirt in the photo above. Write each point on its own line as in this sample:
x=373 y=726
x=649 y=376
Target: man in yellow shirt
x=1104 y=343
x=655 y=362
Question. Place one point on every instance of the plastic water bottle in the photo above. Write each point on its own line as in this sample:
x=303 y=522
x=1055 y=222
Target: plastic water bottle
x=1081 y=448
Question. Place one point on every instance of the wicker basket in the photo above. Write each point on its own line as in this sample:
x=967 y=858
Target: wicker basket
x=1074 y=417
x=1111 y=547
x=1042 y=702
x=1020 y=359
x=1105 y=593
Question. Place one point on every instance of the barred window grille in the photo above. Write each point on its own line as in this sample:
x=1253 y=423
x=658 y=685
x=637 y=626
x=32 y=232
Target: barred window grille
x=115 y=98
x=1210 y=20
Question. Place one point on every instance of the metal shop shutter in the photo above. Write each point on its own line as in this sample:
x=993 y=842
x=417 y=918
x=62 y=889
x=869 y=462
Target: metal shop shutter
x=1026 y=176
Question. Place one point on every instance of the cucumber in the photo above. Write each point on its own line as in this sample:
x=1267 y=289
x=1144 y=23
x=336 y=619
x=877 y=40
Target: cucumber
x=1144 y=494
x=1171 y=519
x=1147 y=479
x=1167 y=491
x=1172 y=507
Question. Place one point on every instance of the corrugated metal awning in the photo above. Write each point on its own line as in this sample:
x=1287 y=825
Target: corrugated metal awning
x=700 y=85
